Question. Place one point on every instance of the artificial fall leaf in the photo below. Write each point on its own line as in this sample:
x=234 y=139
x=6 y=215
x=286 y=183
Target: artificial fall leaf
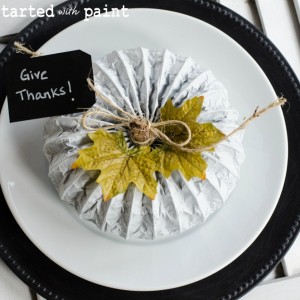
x=118 y=164
x=169 y=158
x=187 y=112
x=204 y=134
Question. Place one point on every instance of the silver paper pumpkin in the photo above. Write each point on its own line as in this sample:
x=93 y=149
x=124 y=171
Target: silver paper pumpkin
x=141 y=81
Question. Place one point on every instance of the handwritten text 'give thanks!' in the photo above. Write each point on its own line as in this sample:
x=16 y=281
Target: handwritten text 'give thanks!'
x=104 y=12
x=53 y=92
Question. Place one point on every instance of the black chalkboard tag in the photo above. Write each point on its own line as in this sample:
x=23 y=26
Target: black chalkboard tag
x=48 y=85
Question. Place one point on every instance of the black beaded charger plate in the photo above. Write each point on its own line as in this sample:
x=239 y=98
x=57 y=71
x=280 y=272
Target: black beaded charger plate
x=236 y=279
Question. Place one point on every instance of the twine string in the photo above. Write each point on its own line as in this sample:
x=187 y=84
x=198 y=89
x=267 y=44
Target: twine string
x=20 y=48
x=107 y=100
x=144 y=132
x=257 y=113
x=100 y=112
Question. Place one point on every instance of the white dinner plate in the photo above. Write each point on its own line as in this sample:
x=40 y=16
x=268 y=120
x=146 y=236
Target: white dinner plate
x=77 y=245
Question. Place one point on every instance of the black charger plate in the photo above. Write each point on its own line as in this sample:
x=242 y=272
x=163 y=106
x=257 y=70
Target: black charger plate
x=53 y=282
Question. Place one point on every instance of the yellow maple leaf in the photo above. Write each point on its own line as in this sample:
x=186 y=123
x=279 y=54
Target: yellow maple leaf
x=118 y=164
x=187 y=112
x=168 y=158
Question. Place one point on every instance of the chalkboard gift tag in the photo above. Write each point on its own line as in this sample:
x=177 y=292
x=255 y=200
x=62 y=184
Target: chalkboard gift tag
x=48 y=85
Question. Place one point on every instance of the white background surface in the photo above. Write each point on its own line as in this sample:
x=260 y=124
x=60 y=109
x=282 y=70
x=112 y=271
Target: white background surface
x=282 y=15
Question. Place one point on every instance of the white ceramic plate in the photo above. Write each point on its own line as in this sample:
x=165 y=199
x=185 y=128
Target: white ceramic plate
x=78 y=246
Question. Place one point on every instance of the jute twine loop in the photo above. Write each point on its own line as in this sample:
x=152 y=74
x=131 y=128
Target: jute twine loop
x=21 y=49
x=142 y=131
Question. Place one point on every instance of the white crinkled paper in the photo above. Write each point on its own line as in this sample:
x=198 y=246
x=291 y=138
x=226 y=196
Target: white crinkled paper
x=141 y=81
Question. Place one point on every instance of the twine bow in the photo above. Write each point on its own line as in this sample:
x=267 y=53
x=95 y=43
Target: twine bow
x=143 y=132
